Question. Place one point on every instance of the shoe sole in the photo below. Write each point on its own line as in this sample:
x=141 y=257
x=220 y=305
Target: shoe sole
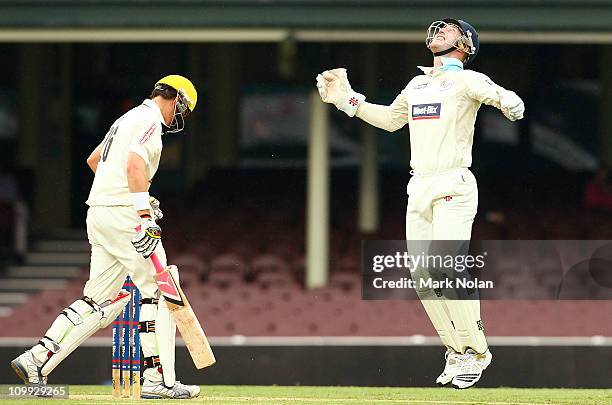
x=160 y=397
x=19 y=372
x=441 y=384
x=463 y=388
x=154 y=396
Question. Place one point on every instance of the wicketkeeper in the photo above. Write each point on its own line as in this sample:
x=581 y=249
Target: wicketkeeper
x=440 y=107
x=124 y=165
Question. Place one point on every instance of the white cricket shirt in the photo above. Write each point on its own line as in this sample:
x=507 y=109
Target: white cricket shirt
x=140 y=131
x=440 y=107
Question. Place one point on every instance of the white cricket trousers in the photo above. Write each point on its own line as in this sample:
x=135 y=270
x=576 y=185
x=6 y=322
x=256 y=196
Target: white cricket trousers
x=113 y=258
x=110 y=231
x=442 y=205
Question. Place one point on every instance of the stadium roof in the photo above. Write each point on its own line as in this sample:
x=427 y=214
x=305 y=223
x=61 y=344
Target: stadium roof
x=315 y=20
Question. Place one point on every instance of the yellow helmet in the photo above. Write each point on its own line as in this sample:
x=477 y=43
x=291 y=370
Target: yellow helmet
x=183 y=86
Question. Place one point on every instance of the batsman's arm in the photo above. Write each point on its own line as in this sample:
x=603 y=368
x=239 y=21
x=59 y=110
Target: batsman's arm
x=390 y=118
x=94 y=158
x=138 y=181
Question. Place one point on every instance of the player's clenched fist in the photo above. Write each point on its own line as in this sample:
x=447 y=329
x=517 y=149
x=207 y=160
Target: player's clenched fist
x=511 y=105
x=148 y=237
x=334 y=88
x=333 y=85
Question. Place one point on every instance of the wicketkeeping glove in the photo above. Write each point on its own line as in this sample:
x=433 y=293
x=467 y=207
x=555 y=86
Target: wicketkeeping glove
x=334 y=88
x=157 y=212
x=511 y=105
x=148 y=237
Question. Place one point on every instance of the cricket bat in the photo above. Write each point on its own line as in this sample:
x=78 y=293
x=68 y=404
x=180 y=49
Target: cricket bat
x=183 y=314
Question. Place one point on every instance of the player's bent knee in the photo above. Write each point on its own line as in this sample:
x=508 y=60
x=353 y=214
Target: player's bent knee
x=111 y=309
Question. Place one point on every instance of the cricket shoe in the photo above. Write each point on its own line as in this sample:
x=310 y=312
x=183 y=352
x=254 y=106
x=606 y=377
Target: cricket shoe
x=27 y=369
x=453 y=364
x=472 y=368
x=157 y=390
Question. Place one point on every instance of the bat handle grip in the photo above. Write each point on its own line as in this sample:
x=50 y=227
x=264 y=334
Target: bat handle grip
x=157 y=263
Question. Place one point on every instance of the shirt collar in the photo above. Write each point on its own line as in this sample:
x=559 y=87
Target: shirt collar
x=447 y=64
x=153 y=106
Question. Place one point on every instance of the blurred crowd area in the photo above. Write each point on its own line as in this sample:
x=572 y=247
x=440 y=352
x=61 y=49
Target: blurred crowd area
x=247 y=219
x=280 y=308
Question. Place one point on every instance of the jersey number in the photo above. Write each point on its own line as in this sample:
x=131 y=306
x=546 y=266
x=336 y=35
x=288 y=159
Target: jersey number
x=108 y=141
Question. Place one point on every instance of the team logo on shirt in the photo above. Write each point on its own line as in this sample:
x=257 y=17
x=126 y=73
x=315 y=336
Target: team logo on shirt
x=145 y=137
x=429 y=111
x=446 y=84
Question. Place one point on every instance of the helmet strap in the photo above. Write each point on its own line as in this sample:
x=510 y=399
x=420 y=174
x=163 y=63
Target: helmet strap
x=445 y=52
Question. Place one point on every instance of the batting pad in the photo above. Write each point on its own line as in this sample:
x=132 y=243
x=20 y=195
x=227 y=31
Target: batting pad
x=465 y=315
x=439 y=317
x=71 y=328
x=165 y=333
x=148 y=343
x=160 y=343
x=112 y=310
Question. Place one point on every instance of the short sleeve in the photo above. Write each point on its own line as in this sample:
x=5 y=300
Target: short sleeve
x=143 y=141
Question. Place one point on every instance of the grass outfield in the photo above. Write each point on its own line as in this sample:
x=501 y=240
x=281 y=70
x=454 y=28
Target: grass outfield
x=252 y=395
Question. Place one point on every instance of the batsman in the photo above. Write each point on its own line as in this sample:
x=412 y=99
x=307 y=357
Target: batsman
x=124 y=164
x=440 y=107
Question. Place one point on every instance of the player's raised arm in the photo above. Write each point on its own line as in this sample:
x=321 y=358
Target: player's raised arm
x=334 y=88
x=484 y=90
